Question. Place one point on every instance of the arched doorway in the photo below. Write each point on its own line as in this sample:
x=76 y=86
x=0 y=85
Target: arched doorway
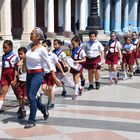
x=40 y=13
x=17 y=28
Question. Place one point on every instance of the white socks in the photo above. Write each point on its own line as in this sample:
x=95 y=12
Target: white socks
x=76 y=89
x=1 y=103
x=110 y=76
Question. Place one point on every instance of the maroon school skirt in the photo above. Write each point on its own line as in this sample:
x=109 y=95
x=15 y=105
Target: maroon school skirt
x=48 y=79
x=128 y=58
x=7 y=76
x=92 y=63
x=21 y=89
x=73 y=71
x=111 y=58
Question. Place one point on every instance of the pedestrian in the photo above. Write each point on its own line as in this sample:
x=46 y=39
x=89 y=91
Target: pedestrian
x=48 y=85
x=8 y=73
x=95 y=57
x=112 y=57
x=21 y=82
x=128 y=57
x=135 y=42
x=36 y=56
x=61 y=58
x=129 y=28
x=79 y=57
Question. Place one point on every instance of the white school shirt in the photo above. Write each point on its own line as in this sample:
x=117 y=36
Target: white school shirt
x=36 y=59
x=117 y=46
x=54 y=59
x=22 y=75
x=82 y=54
x=13 y=61
x=61 y=56
x=93 y=50
x=135 y=43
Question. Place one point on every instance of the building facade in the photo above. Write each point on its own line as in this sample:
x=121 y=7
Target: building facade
x=19 y=17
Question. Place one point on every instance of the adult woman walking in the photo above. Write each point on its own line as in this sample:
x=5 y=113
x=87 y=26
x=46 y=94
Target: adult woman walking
x=35 y=57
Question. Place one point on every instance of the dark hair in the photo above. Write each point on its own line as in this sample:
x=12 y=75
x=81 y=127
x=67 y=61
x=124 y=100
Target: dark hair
x=9 y=43
x=58 y=41
x=47 y=42
x=134 y=32
x=113 y=32
x=76 y=39
x=93 y=32
x=126 y=37
x=23 y=49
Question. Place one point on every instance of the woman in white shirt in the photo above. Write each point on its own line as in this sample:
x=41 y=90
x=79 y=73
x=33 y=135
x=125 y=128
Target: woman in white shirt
x=36 y=56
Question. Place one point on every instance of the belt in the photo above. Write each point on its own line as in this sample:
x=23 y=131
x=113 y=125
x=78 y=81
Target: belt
x=35 y=71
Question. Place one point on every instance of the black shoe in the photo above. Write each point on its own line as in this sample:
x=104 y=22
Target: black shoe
x=29 y=125
x=137 y=71
x=63 y=93
x=51 y=106
x=19 y=110
x=22 y=114
x=97 y=85
x=46 y=114
x=83 y=82
x=90 y=87
x=2 y=110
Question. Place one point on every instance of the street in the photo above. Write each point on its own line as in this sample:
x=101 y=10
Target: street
x=110 y=113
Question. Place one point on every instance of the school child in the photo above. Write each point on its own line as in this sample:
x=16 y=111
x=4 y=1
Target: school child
x=48 y=85
x=21 y=82
x=61 y=58
x=128 y=57
x=112 y=57
x=79 y=57
x=135 y=42
x=95 y=57
x=8 y=73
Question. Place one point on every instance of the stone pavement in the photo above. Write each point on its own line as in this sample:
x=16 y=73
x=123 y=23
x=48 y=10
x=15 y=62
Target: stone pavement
x=111 y=113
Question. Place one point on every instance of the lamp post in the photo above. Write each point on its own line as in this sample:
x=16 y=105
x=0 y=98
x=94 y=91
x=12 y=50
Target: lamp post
x=93 y=19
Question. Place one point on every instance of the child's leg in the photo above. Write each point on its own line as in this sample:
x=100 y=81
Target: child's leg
x=77 y=83
x=51 y=103
x=97 y=76
x=82 y=80
x=90 y=78
x=124 y=70
x=3 y=92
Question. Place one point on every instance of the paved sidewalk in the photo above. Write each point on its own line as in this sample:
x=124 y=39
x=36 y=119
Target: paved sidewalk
x=111 y=113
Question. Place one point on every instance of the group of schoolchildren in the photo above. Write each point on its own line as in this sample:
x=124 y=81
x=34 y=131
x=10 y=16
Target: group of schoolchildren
x=90 y=56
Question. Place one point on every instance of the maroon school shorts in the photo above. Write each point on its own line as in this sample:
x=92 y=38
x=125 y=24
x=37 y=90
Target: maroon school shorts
x=92 y=63
x=48 y=79
x=21 y=89
x=7 y=76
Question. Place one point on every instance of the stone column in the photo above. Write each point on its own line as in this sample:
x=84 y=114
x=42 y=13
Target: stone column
x=83 y=15
x=118 y=16
x=50 y=32
x=126 y=10
x=6 y=20
x=28 y=18
x=107 y=17
x=135 y=17
x=67 y=27
x=139 y=15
